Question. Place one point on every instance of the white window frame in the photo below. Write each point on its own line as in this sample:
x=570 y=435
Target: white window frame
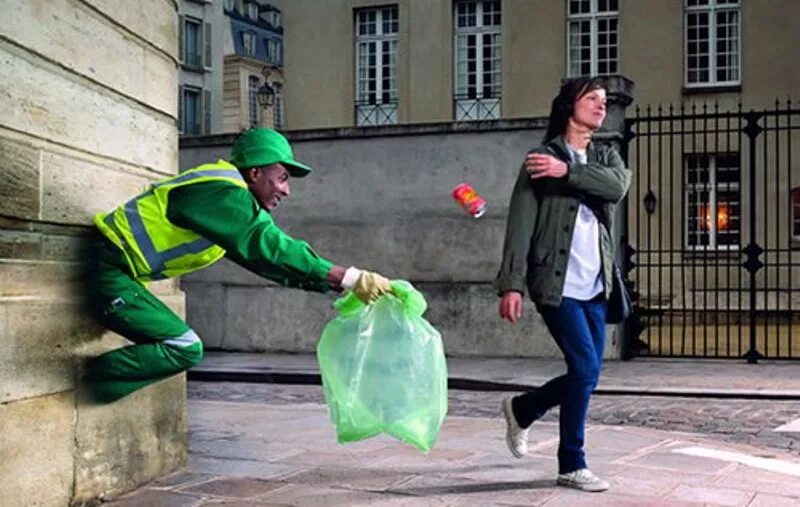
x=712 y=8
x=372 y=107
x=595 y=19
x=274 y=47
x=192 y=60
x=200 y=114
x=713 y=188
x=253 y=107
x=277 y=106
x=479 y=107
x=249 y=41
x=252 y=11
x=201 y=59
x=273 y=17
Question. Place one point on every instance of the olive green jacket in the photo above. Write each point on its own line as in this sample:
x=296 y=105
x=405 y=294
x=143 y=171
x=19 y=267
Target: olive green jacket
x=541 y=219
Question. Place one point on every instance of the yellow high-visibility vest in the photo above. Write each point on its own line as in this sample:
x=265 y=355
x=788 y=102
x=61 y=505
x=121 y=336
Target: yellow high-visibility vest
x=154 y=247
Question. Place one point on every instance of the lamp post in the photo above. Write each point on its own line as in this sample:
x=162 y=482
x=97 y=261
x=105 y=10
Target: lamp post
x=266 y=95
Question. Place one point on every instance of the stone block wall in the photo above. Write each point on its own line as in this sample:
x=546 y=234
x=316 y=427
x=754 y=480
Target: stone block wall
x=380 y=199
x=88 y=94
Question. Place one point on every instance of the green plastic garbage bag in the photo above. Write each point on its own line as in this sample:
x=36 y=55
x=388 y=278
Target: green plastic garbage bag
x=383 y=369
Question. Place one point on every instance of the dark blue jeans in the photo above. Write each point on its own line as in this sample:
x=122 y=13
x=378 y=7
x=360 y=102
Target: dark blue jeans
x=578 y=328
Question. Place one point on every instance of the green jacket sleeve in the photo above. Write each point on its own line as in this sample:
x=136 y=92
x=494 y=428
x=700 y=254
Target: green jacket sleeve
x=522 y=213
x=608 y=182
x=228 y=216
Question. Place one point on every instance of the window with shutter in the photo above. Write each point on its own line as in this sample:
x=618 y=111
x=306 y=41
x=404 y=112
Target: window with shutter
x=181 y=36
x=180 y=109
x=206 y=111
x=207 y=45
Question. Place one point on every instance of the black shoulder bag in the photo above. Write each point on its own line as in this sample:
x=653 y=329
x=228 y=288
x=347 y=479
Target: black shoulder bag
x=619 y=302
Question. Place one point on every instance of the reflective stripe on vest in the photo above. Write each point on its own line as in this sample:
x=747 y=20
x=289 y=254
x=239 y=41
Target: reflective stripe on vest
x=156 y=260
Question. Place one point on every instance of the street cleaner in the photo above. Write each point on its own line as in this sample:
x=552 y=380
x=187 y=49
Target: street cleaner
x=185 y=223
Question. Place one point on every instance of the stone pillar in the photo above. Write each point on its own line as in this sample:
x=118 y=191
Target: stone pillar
x=619 y=91
x=87 y=120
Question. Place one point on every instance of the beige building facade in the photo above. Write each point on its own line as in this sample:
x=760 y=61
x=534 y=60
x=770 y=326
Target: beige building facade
x=252 y=84
x=517 y=51
x=709 y=178
x=87 y=119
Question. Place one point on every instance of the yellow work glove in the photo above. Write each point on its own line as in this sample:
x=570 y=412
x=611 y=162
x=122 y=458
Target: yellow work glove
x=367 y=286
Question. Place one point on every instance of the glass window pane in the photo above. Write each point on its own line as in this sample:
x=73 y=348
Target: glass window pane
x=477 y=49
x=607 y=5
x=491 y=13
x=579 y=6
x=253 y=84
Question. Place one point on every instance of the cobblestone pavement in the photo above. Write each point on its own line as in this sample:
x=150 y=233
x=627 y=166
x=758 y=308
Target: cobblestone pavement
x=749 y=422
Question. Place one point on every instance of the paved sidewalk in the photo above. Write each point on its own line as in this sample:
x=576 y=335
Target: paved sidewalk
x=733 y=378
x=246 y=454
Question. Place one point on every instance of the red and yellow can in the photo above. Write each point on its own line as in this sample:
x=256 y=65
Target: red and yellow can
x=470 y=200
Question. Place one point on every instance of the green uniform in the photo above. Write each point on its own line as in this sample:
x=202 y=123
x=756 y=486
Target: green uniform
x=215 y=217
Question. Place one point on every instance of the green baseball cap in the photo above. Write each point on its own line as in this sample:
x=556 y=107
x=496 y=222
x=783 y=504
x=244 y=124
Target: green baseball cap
x=258 y=147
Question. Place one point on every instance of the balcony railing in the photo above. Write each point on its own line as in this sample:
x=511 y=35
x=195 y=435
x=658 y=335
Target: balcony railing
x=376 y=114
x=193 y=60
x=192 y=129
x=476 y=108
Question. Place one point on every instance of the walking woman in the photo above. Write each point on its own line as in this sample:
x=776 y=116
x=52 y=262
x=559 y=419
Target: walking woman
x=558 y=244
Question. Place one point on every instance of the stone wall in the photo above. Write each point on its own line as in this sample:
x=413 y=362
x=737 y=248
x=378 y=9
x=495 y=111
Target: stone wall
x=379 y=198
x=88 y=93
x=382 y=202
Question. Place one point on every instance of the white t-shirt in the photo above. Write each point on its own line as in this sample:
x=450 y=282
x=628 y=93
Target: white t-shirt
x=584 y=280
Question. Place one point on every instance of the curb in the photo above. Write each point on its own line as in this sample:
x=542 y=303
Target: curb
x=466 y=384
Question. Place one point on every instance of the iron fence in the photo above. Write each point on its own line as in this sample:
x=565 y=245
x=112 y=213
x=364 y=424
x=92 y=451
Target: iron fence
x=714 y=232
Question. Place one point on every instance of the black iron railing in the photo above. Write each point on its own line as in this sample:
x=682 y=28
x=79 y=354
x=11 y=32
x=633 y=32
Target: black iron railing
x=711 y=249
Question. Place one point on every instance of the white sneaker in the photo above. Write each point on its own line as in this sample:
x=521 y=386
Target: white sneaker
x=516 y=437
x=583 y=480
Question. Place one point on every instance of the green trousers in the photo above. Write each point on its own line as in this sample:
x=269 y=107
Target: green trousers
x=163 y=344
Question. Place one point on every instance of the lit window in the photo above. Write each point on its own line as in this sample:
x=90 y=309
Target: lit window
x=712 y=42
x=376 y=66
x=477 y=59
x=713 y=201
x=592 y=37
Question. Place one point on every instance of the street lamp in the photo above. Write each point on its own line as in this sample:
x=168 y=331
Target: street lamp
x=266 y=92
x=266 y=95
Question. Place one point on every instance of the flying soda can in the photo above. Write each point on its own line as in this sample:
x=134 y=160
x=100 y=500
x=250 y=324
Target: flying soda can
x=470 y=200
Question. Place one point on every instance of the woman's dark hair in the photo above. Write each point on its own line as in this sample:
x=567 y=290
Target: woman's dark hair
x=564 y=103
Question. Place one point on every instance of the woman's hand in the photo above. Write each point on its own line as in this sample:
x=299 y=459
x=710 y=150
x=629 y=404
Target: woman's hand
x=544 y=166
x=511 y=306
